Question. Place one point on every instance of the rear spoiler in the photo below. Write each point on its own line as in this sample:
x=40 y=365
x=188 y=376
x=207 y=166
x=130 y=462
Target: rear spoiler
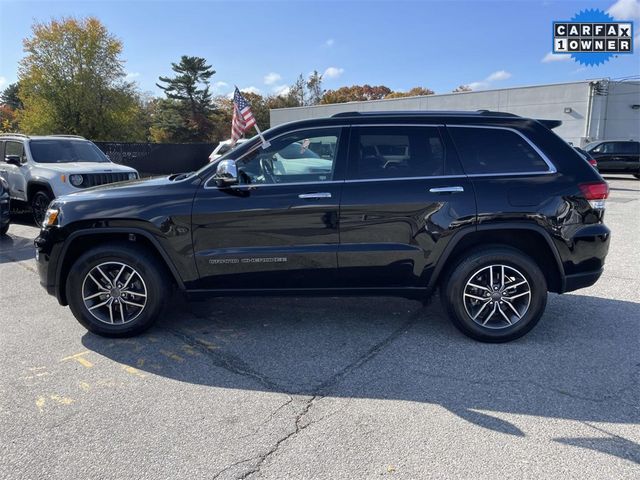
x=550 y=124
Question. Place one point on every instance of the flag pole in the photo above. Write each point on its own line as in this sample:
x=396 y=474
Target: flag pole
x=265 y=142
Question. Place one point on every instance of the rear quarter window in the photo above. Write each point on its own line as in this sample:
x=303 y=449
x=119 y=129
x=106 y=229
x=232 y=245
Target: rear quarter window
x=485 y=151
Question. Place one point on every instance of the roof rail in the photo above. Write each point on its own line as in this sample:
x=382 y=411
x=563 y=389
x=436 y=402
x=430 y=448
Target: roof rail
x=66 y=136
x=14 y=135
x=345 y=114
x=426 y=112
x=497 y=114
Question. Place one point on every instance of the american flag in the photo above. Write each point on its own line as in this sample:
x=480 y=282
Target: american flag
x=243 y=119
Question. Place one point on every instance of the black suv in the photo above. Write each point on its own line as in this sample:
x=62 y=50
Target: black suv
x=494 y=209
x=616 y=156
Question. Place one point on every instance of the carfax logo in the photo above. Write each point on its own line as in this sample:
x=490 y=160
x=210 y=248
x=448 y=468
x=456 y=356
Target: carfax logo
x=592 y=37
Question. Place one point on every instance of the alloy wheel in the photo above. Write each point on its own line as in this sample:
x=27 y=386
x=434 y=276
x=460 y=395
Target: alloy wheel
x=114 y=293
x=497 y=296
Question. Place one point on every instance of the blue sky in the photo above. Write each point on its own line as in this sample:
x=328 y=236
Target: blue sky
x=264 y=45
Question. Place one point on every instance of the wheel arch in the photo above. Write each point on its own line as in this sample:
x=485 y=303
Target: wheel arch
x=34 y=186
x=531 y=240
x=79 y=241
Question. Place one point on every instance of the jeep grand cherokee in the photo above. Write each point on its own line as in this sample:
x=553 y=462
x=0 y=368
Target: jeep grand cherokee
x=494 y=209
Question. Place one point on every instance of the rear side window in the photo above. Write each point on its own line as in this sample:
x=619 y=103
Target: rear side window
x=486 y=151
x=396 y=152
x=625 y=147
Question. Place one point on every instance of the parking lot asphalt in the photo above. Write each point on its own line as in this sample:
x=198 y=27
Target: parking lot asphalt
x=303 y=388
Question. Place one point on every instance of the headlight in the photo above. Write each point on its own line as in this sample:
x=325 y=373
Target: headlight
x=76 y=180
x=133 y=176
x=51 y=218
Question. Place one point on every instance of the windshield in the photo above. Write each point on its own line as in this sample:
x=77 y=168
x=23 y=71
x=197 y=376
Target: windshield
x=65 y=151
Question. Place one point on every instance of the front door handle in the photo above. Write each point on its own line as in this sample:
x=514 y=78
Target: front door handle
x=314 y=196
x=456 y=189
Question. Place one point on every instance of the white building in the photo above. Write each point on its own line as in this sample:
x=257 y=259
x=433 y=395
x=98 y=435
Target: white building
x=590 y=109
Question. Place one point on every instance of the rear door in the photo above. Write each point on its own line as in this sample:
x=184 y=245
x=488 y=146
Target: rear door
x=403 y=198
x=278 y=228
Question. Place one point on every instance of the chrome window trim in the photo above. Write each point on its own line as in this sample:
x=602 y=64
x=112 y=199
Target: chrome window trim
x=552 y=167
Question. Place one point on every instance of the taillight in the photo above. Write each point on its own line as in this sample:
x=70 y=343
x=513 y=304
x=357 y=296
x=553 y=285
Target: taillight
x=596 y=193
x=592 y=162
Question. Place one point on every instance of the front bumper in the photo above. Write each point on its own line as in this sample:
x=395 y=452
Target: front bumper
x=47 y=256
x=4 y=210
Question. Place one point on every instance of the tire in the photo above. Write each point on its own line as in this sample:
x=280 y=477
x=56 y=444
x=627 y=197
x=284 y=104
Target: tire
x=39 y=203
x=149 y=287
x=637 y=175
x=463 y=301
x=4 y=230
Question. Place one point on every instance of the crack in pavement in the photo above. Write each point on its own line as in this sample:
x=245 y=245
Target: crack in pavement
x=324 y=388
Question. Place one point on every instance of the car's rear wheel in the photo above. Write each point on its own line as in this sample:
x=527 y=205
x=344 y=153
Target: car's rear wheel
x=117 y=291
x=3 y=230
x=637 y=175
x=39 y=204
x=495 y=294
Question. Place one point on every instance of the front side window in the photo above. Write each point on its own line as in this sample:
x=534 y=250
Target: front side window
x=14 y=148
x=64 y=151
x=485 y=151
x=396 y=152
x=307 y=156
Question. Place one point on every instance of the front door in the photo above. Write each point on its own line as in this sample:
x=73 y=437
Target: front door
x=15 y=175
x=402 y=198
x=278 y=228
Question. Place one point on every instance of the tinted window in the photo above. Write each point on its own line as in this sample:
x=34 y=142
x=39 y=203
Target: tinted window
x=63 y=151
x=305 y=156
x=493 y=150
x=396 y=152
x=625 y=147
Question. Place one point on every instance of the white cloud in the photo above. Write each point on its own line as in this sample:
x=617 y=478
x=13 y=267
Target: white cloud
x=330 y=42
x=251 y=89
x=132 y=75
x=625 y=10
x=499 y=75
x=486 y=83
x=271 y=78
x=333 y=72
x=219 y=86
x=477 y=85
x=3 y=82
x=281 y=89
x=555 y=57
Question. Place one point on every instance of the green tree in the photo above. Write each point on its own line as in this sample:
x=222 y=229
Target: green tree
x=72 y=81
x=314 y=88
x=189 y=97
x=10 y=98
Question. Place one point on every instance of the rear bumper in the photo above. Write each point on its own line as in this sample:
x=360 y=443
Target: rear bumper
x=581 y=280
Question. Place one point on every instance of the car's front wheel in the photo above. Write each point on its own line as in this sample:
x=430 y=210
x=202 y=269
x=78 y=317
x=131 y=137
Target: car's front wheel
x=39 y=204
x=495 y=294
x=117 y=291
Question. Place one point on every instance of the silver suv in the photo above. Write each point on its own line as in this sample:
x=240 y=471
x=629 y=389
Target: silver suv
x=41 y=168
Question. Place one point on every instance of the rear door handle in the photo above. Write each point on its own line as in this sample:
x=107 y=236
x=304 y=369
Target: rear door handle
x=456 y=189
x=314 y=196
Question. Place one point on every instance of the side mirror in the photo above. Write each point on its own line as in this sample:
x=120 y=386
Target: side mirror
x=226 y=173
x=13 y=160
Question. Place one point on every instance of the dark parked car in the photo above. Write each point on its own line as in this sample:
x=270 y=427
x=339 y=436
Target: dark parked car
x=587 y=156
x=493 y=209
x=5 y=219
x=616 y=156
